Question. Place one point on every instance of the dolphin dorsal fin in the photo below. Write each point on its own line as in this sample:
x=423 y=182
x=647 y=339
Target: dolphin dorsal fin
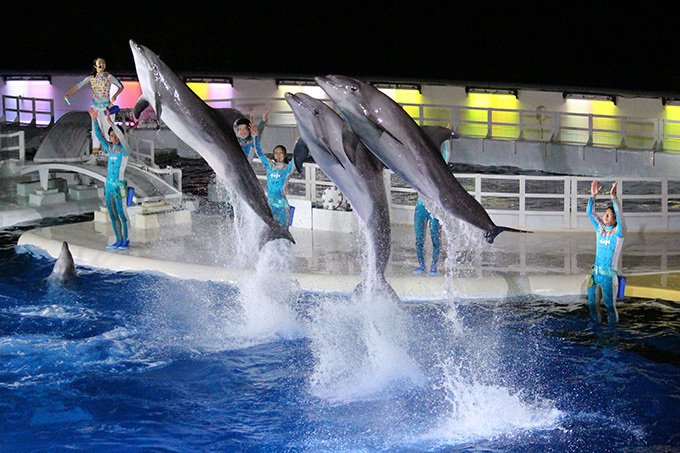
x=229 y=116
x=300 y=153
x=438 y=134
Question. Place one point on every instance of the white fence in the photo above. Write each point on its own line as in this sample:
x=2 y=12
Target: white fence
x=539 y=203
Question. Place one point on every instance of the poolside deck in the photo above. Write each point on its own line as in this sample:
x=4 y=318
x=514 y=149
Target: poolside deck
x=545 y=263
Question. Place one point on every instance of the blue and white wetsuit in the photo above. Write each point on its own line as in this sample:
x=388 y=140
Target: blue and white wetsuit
x=252 y=143
x=607 y=262
x=277 y=181
x=420 y=219
x=118 y=157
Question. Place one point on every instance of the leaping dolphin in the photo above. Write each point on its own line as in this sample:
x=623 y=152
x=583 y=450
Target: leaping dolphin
x=64 y=268
x=395 y=138
x=353 y=168
x=209 y=132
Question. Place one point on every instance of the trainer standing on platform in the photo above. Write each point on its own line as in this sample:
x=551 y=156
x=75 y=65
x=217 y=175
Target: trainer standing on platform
x=603 y=280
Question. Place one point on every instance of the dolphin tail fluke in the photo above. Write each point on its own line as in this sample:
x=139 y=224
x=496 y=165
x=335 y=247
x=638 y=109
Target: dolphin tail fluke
x=491 y=235
x=274 y=232
x=383 y=287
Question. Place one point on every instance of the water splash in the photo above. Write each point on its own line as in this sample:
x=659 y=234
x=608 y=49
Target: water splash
x=360 y=347
x=267 y=296
x=475 y=410
x=247 y=228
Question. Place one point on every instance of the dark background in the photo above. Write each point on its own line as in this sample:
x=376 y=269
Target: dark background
x=615 y=46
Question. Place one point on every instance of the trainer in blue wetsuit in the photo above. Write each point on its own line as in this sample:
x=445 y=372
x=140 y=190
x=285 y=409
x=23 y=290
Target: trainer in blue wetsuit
x=603 y=280
x=420 y=220
x=421 y=217
x=278 y=172
x=249 y=136
x=115 y=189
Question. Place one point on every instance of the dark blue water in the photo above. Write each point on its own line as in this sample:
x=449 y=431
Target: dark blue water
x=138 y=362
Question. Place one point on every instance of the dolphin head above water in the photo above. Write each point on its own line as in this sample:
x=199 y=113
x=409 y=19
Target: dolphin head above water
x=368 y=111
x=304 y=107
x=315 y=119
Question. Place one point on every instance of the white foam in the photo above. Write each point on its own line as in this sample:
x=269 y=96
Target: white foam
x=476 y=410
x=360 y=347
x=268 y=295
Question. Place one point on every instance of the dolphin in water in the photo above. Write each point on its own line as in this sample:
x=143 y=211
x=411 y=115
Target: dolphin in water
x=208 y=131
x=64 y=268
x=353 y=168
x=395 y=138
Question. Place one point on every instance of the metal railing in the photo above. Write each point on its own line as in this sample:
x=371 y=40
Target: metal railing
x=508 y=124
x=540 y=203
x=532 y=125
x=27 y=110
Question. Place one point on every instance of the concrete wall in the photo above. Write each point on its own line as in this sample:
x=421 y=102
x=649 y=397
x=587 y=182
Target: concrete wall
x=565 y=159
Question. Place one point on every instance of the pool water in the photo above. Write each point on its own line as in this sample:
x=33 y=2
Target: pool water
x=116 y=361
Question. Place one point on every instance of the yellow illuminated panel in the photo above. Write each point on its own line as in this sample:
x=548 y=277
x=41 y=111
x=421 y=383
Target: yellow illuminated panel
x=212 y=91
x=671 y=128
x=606 y=127
x=488 y=108
x=201 y=89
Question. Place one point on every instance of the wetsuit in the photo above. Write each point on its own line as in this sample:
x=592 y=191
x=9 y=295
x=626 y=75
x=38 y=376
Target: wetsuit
x=115 y=186
x=277 y=180
x=101 y=97
x=251 y=142
x=607 y=259
x=421 y=217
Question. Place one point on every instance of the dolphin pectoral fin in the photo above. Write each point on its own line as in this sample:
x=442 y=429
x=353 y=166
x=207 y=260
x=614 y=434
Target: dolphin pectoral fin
x=327 y=147
x=300 y=153
x=379 y=125
x=350 y=143
x=158 y=106
x=140 y=105
x=489 y=236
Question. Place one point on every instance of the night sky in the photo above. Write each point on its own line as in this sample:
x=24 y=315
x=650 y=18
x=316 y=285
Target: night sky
x=538 y=44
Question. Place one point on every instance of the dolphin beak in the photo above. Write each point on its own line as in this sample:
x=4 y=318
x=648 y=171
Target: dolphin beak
x=293 y=100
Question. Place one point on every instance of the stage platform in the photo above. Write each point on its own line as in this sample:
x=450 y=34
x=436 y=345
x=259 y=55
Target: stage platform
x=546 y=263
